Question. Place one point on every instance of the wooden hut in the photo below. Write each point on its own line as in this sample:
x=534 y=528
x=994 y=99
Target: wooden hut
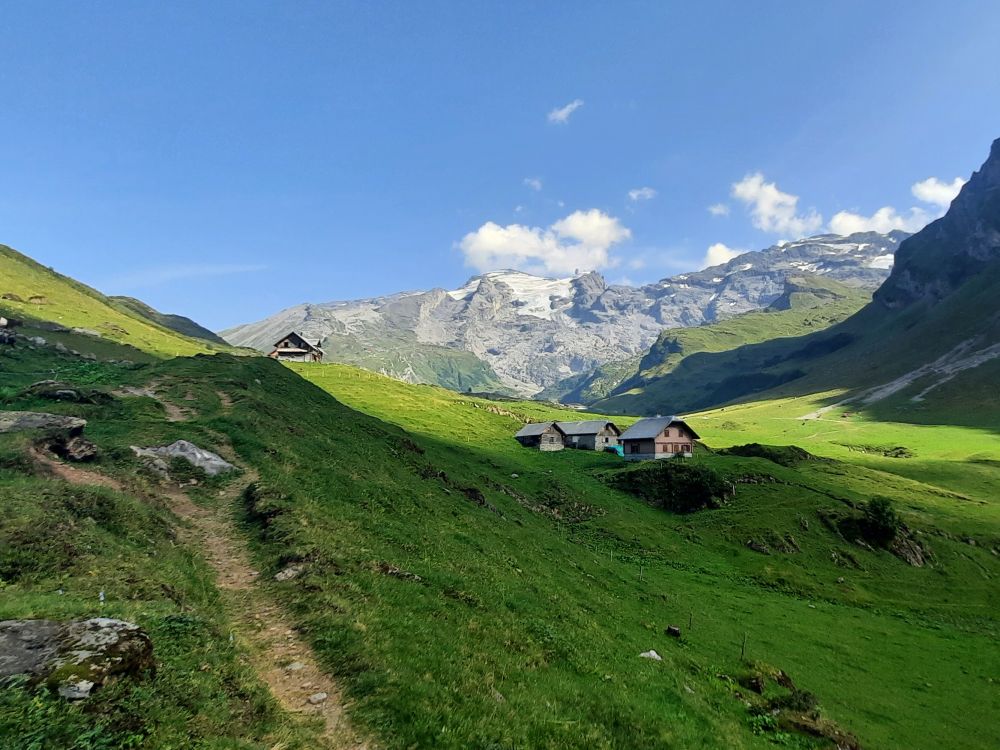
x=590 y=434
x=546 y=436
x=658 y=437
x=294 y=348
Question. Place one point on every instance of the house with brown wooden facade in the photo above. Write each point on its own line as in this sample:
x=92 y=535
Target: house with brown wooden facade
x=658 y=437
x=545 y=436
x=590 y=434
x=294 y=348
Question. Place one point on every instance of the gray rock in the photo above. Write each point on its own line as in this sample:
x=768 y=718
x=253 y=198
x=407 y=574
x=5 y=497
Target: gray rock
x=26 y=646
x=49 y=424
x=651 y=654
x=73 y=658
x=317 y=698
x=211 y=463
x=295 y=666
x=37 y=341
x=292 y=571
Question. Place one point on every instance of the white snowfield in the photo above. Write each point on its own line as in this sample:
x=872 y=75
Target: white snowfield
x=534 y=295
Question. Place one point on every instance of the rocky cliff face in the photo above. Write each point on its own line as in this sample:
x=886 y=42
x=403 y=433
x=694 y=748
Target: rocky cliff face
x=534 y=332
x=947 y=252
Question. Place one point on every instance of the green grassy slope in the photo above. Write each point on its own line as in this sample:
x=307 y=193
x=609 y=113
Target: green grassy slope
x=179 y=323
x=868 y=349
x=405 y=357
x=29 y=290
x=809 y=304
x=853 y=642
x=463 y=606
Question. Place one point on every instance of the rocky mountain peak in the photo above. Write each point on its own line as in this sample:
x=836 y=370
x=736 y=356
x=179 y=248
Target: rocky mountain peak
x=532 y=331
x=939 y=258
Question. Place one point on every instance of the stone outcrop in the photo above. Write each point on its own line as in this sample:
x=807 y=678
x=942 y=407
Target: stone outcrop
x=211 y=463
x=74 y=658
x=51 y=425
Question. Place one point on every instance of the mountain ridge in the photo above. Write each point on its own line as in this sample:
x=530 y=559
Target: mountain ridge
x=532 y=332
x=929 y=337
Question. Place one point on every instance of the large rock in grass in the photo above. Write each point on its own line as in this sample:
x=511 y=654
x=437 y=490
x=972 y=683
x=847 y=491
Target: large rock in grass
x=73 y=658
x=52 y=425
x=211 y=463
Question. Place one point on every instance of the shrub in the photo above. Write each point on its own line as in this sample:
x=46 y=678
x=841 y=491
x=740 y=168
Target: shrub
x=677 y=486
x=881 y=522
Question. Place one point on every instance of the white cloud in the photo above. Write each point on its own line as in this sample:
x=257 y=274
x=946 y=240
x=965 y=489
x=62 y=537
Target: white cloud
x=579 y=242
x=641 y=194
x=535 y=183
x=772 y=210
x=165 y=274
x=884 y=220
x=719 y=253
x=938 y=192
x=561 y=115
x=719 y=209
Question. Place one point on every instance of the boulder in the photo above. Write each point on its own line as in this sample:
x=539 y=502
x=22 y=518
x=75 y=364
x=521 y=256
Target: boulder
x=651 y=654
x=211 y=463
x=673 y=631
x=73 y=658
x=54 y=425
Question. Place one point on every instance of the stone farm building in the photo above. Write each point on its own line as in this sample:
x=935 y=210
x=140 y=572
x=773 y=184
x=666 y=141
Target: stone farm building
x=294 y=348
x=590 y=434
x=546 y=436
x=658 y=437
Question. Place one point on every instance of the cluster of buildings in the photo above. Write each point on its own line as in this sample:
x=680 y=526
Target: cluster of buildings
x=650 y=438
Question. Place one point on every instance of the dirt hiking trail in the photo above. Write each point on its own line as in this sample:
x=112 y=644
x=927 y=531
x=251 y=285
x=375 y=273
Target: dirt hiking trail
x=284 y=662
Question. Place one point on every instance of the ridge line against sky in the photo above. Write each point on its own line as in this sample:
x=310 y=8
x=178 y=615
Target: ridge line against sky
x=152 y=150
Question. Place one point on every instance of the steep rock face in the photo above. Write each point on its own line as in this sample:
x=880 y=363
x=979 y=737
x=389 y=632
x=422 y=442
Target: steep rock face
x=947 y=252
x=533 y=332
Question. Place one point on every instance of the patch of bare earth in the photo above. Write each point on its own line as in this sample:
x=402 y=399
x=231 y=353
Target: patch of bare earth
x=151 y=390
x=282 y=659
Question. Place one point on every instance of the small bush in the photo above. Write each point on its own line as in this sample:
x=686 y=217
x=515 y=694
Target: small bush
x=881 y=522
x=677 y=486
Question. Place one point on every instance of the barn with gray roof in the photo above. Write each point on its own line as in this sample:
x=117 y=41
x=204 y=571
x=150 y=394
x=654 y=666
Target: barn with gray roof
x=590 y=434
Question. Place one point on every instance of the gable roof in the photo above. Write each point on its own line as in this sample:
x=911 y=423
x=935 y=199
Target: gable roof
x=303 y=344
x=586 y=427
x=534 y=429
x=650 y=427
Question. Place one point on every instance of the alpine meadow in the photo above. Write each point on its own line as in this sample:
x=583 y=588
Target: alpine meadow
x=541 y=471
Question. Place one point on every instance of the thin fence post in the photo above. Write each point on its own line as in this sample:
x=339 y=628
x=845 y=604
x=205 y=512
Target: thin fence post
x=743 y=648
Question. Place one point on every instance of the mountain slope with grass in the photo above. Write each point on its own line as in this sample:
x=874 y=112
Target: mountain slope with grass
x=807 y=304
x=930 y=337
x=30 y=291
x=462 y=591
x=179 y=323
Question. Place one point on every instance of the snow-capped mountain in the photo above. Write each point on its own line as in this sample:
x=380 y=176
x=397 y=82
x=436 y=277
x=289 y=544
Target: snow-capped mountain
x=532 y=332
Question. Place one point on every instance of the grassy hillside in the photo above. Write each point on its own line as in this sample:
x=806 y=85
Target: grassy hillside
x=179 y=323
x=869 y=349
x=405 y=358
x=32 y=291
x=471 y=593
x=809 y=304
x=881 y=611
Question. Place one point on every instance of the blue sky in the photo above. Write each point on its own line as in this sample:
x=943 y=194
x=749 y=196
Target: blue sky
x=226 y=160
